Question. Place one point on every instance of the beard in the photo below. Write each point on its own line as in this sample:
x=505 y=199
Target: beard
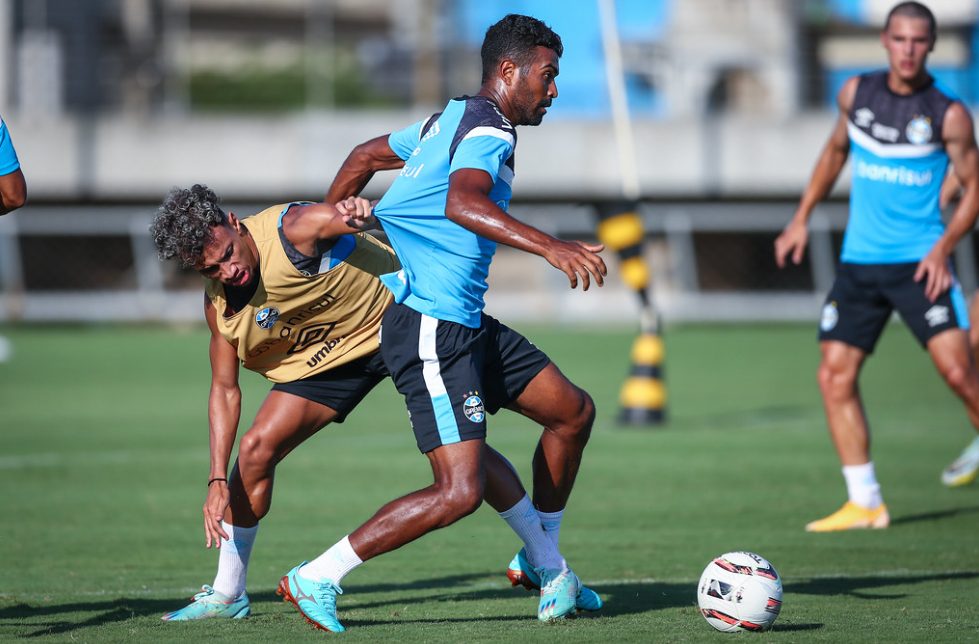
x=530 y=112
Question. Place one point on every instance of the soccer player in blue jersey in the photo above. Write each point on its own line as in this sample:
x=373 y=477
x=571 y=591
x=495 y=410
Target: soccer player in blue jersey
x=454 y=364
x=903 y=128
x=13 y=194
x=291 y=294
x=13 y=187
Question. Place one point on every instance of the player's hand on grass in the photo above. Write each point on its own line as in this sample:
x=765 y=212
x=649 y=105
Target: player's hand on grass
x=357 y=212
x=791 y=243
x=214 y=506
x=578 y=259
x=935 y=270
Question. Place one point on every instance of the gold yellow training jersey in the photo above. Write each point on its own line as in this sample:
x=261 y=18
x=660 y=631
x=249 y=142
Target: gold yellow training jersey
x=303 y=322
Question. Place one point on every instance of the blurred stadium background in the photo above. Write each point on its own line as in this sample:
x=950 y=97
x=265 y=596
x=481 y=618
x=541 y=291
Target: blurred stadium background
x=112 y=102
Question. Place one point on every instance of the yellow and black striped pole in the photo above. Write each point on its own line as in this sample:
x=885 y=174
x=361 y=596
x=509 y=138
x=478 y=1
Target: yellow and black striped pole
x=643 y=396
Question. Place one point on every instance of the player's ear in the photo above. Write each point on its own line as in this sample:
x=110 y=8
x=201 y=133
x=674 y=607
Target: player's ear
x=508 y=71
x=234 y=222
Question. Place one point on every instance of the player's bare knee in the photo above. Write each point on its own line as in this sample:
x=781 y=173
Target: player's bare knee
x=836 y=382
x=960 y=379
x=459 y=499
x=576 y=421
x=255 y=452
x=585 y=417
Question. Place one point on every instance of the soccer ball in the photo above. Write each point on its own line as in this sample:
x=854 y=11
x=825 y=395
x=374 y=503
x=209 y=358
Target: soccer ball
x=740 y=591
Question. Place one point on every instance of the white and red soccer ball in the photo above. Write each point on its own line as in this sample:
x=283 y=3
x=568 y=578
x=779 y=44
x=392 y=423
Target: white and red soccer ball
x=740 y=591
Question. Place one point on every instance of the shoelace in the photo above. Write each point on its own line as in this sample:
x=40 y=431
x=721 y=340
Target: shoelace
x=546 y=582
x=206 y=591
x=327 y=593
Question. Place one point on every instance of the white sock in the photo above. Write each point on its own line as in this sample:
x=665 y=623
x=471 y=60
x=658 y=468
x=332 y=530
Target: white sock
x=862 y=486
x=233 y=559
x=333 y=565
x=541 y=550
x=551 y=522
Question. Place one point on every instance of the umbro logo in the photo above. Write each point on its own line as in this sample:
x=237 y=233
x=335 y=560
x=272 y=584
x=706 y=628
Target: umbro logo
x=432 y=131
x=863 y=117
x=937 y=315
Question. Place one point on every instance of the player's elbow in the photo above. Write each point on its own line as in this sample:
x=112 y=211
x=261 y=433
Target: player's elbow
x=455 y=207
x=373 y=155
x=14 y=196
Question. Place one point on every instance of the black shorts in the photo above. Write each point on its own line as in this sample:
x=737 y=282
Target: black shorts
x=864 y=296
x=342 y=388
x=451 y=375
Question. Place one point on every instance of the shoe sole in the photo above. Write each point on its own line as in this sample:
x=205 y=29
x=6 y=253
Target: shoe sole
x=283 y=592
x=960 y=481
x=241 y=614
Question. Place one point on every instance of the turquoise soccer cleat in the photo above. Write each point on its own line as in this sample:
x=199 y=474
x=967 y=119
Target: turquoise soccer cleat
x=558 y=591
x=209 y=604
x=521 y=573
x=316 y=601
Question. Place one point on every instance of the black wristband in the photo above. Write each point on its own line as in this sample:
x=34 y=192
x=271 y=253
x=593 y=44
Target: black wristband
x=218 y=478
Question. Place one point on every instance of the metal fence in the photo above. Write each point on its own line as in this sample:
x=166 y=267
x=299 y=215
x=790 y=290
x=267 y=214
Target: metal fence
x=709 y=261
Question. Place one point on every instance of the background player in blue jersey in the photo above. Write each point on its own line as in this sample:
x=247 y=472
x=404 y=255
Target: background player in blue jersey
x=903 y=129
x=444 y=215
x=13 y=187
x=13 y=194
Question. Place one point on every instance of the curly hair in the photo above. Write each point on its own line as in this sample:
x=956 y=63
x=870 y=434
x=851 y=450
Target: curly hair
x=515 y=37
x=184 y=223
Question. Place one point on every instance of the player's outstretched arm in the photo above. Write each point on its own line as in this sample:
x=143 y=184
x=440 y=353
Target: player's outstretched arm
x=13 y=191
x=360 y=165
x=960 y=144
x=794 y=238
x=468 y=204
x=306 y=225
x=223 y=412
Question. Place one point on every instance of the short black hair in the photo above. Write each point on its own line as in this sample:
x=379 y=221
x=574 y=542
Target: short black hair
x=184 y=223
x=913 y=10
x=515 y=37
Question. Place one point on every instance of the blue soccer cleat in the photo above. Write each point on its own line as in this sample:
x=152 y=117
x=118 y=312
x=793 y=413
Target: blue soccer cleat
x=521 y=573
x=558 y=591
x=316 y=601
x=208 y=604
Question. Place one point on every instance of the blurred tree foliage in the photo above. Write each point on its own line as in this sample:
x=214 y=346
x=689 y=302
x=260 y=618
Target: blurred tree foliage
x=258 y=88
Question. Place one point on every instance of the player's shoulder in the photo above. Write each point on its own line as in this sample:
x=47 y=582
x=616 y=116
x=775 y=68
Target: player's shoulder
x=481 y=111
x=847 y=95
x=266 y=218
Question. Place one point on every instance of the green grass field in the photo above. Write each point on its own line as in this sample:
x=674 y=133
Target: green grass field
x=103 y=464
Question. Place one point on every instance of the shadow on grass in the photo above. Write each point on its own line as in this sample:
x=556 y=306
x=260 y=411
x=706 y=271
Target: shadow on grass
x=934 y=516
x=858 y=586
x=625 y=598
x=749 y=418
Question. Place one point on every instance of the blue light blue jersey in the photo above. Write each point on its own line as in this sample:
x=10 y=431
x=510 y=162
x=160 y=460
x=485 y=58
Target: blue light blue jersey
x=899 y=163
x=8 y=156
x=444 y=266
